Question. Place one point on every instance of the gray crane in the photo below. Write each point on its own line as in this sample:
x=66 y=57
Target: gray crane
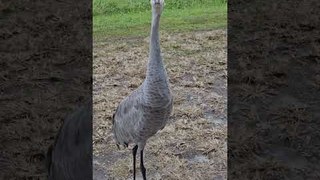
x=70 y=158
x=147 y=109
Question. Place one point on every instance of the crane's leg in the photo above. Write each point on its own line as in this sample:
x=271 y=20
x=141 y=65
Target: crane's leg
x=134 y=153
x=143 y=169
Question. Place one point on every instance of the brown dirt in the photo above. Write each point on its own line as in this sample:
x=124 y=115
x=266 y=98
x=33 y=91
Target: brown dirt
x=193 y=145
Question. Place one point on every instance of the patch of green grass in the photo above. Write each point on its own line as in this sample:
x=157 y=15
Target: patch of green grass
x=103 y=7
x=123 y=18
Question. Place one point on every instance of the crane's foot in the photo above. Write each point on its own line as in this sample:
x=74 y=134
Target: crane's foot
x=134 y=153
x=143 y=169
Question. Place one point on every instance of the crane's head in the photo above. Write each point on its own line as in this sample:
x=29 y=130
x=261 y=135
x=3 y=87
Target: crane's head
x=157 y=6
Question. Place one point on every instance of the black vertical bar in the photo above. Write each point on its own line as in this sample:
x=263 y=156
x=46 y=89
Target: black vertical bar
x=273 y=89
x=45 y=76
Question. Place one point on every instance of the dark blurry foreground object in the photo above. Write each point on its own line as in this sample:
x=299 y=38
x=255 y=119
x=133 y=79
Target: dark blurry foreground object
x=70 y=158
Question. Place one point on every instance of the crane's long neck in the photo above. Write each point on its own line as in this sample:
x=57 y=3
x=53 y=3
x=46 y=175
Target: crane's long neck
x=154 y=38
x=155 y=64
x=156 y=89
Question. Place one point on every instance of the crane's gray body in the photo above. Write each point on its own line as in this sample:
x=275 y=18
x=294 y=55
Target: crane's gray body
x=136 y=120
x=147 y=109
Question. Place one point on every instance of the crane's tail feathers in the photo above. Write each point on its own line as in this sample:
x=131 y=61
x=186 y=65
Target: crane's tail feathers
x=118 y=146
x=125 y=145
x=113 y=118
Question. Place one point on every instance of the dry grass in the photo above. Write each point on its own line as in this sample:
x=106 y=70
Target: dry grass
x=193 y=145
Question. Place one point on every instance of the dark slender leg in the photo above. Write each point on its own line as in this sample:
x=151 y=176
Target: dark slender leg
x=134 y=153
x=143 y=169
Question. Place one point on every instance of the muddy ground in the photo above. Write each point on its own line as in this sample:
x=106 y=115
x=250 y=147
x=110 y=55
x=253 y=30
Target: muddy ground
x=193 y=145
